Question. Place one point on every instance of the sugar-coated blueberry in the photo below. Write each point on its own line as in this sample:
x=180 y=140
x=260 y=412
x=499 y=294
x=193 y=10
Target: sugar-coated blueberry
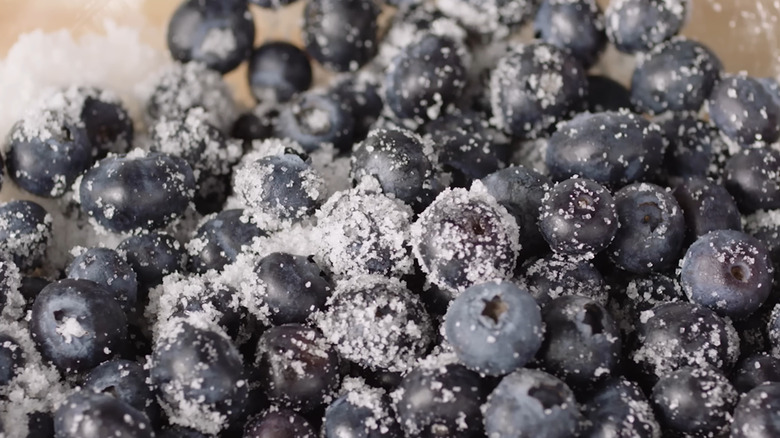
x=693 y=147
x=12 y=359
x=25 y=230
x=574 y=25
x=221 y=239
x=277 y=71
x=640 y=25
x=87 y=414
x=554 y=276
x=362 y=412
x=757 y=414
x=619 y=409
x=606 y=94
x=341 y=34
x=745 y=111
x=707 y=206
x=107 y=268
x=755 y=370
x=313 y=119
x=279 y=423
x=127 y=381
x=153 y=256
x=752 y=176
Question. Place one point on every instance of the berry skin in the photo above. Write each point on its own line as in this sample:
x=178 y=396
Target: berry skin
x=361 y=93
x=127 y=381
x=707 y=206
x=640 y=25
x=77 y=324
x=554 y=276
x=220 y=240
x=531 y=403
x=611 y=148
x=494 y=328
x=582 y=343
x=472 y=225
x=753 y=178
x=534 y=87
x=574 y=25
x=108 y=124
x=279 y=423
x=362 y=412
x=578 y=217
x=677 y=75
x=652 y=228
x=294 y=287
x=693 y=145
x=297 y=366
x=277 y=71
x=758 y=413
x=153 y=256
x=216 y=33
x=313 y=119
x=619 y=409
x=12 y=359
x=86 y=414
x=606 y=94
x=341 y=34
x=745 y=111
x=754 y=370
x=132 y=191
x=107 y=268
x=25 y=230
x=694 y=402
x=440 y=401
x=425 y=78
x=728 y=271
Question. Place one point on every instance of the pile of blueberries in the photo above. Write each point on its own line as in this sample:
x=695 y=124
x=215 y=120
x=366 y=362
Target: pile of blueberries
x=517 y=249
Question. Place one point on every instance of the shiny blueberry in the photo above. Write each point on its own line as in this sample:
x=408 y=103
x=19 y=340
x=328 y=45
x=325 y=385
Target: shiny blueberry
x=313 y=119
x=363 y=412
x=220 y=240
x=279 y=423
x=25 y=230
x=127 y=381
x=277 y=71
x=341 y=34
x=107 y=268
x=554 y=276
x=108 y=124
x=745 y=111
x=755 y=370
x=640 y=25
x=707 y=206
x=606 y=94
x=757 y=414
x=86 y=414
x=153 y=256
x=361 y=92
x=619 y=409
x=577 y=26
x=693 y=146
x=752 y=176
x=12 y=359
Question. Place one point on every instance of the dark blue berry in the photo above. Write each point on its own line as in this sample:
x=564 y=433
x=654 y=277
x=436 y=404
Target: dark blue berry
x=728 y=271
x=25 y=230
x=612 y=148
x=313 y=119
x=279 y=423
x=297 y=367
x=606 y=94
x=694 y=402
x=153 y=256
x=254 y=125
x=707 y=206
x=440 y=400
x=108 y=124
x=535 y=86
x=752 y=176
x=30 y=288
x=755 y=370
x=554 y=276
x=127 y=381
x=425 y=78
x=341 y=34
x=578 y=216
x=277 y=71
x=362 y=412
x=86 y=414
x=693 y=145
x=216 y=33
x=361 y=92
x=745 y=111
x=12 y=359
x=207 y=297
x=77 y=324
x=293 y=287
x=577 y=26
x=677 y=75
x=757 y=414
x=641 y=294
x=220 y=240
x=531 y=403
x=619 y=409
x=652 y=228
x=127 y=192
x=640 y=25
x=107 y=268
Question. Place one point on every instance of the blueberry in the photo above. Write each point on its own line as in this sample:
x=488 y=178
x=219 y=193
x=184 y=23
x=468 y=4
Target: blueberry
x=77 y=324
x=773 y=330
x=153 y=256
x=467 y=148
x=520 y=190
x=677 y=75
x=86 y=414
x=651 y=232
x=362 y=233
x=641 y=294
x=613 y=148
x=578 y=217
x=341 y=34
x=363 y=412
x=376 y=322
x=107 y=268
x=745 y=111
x=283 y=188
x=489 y=16
x=425 y=78
x=220 y=240
x=482 y=234
x=277 y=71
x=47 y=150
x=216 y=33
x=362 y=94
x=198 y=375
x=181 y=432
x=755 y=370
x=107 y=122
x=127 y=381
x=707 y=206
x=220 y=302
x=297 y=367
x=554 y=276
x=752 y=176
x=640 y=25
x=256 y=124
x=146 y=190
x=606 y=94
x=576 y=25
x=12 y=359
x=40 y=424
x=25 y=230
x=399 y=160
x=313 y=119
x=693 y=146
x=676 y=335
x=535 y=86
x=531 y=403
x=279 y=423
x=728 y=271
x=694 y=402
x=293 y=287
x=757 y=414
x=619 y=409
